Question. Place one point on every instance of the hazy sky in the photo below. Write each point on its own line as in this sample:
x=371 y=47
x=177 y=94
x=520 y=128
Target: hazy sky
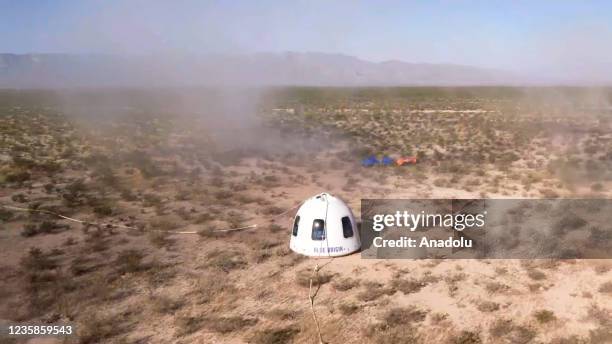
x=533 y=35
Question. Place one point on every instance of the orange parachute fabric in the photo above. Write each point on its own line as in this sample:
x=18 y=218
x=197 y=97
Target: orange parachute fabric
x=410 y=160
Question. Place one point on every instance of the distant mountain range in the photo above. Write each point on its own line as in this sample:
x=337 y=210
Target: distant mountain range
x=267 y=69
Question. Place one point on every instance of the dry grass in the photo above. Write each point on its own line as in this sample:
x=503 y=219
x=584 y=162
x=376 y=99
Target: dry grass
x=165 y=304
x=405 y=315
x=282 y=335
x=226 y=260
x=158 y=171
x=348 y=308
x=304 y=276
x=94 y=328
x=544 y=316
x=284 y=314
x=496 y=287
x=507 y=329
x=228 y=324
x=373 y=291
x=345 y=284
x=211 y=285
x=407 y=286
x=130 y=261
x=487 y=306
x=186 y=325
x=398 y=325
x=605 y=288
x=466 y=337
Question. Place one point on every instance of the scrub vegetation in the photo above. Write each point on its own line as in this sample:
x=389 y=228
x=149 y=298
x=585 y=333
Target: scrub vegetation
x=138 y=166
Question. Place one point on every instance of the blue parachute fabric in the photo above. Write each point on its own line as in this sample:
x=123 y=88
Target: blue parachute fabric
x=370 y=161
x=388 y=161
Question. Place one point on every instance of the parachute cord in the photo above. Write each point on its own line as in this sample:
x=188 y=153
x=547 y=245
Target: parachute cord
x=112 y=225
x=66 y=217
x=311 y=296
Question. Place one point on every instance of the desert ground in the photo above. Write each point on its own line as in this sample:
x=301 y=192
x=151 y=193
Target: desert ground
x=137 y=171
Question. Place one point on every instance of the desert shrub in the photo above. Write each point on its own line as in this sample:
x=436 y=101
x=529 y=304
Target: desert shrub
x=17 y=177
x=82 y=265
x=501 y=327
x=95 y=241
x=345 y=284
x=165 y=223
x=536 y=275
x=261 y=256
x=77 y=187
x=549 y=193
x=599 y=237
x=204 y=217
x=265 y=244
x=272 y=210
x=600 y=315
x=187 y=324
x=606 y=288
x=165 y=304
x=235 y=219
x=501 y=270
x=283 y=335
x=29 y=230
x=303 y=277
x=454 y=278
x=142 y=161
x=467 y=337
x=600 y=335
x=151 y=200
x=158 y=273
x=488 y=306
x=228 y=324
x=373 y=291
x=348 y=308
x=106 y=175
x=223 y=194
x=20 y=198
x=407 y=286
x=50 y=227
x=5 y=215
x=36 y=260
x=496 y=287
x=440 y=182
x=94 y=328
x=212 y=285
x=512 y=332
x=437 y=317
x=573 y=339
x=568 y=222
x=404 y=315
x=283 y=314
x=128 y=195
x=383 y=334
x=103 y=210
x=160 y=239
x=544 y=316
x=274 y=228
x=244 y=199
x=271 y=179
x=130 y=261
x=602 y=268
x=226 y=260
x=46 y=227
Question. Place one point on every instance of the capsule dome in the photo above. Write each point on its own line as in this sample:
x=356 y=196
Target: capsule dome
x=324 y=226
